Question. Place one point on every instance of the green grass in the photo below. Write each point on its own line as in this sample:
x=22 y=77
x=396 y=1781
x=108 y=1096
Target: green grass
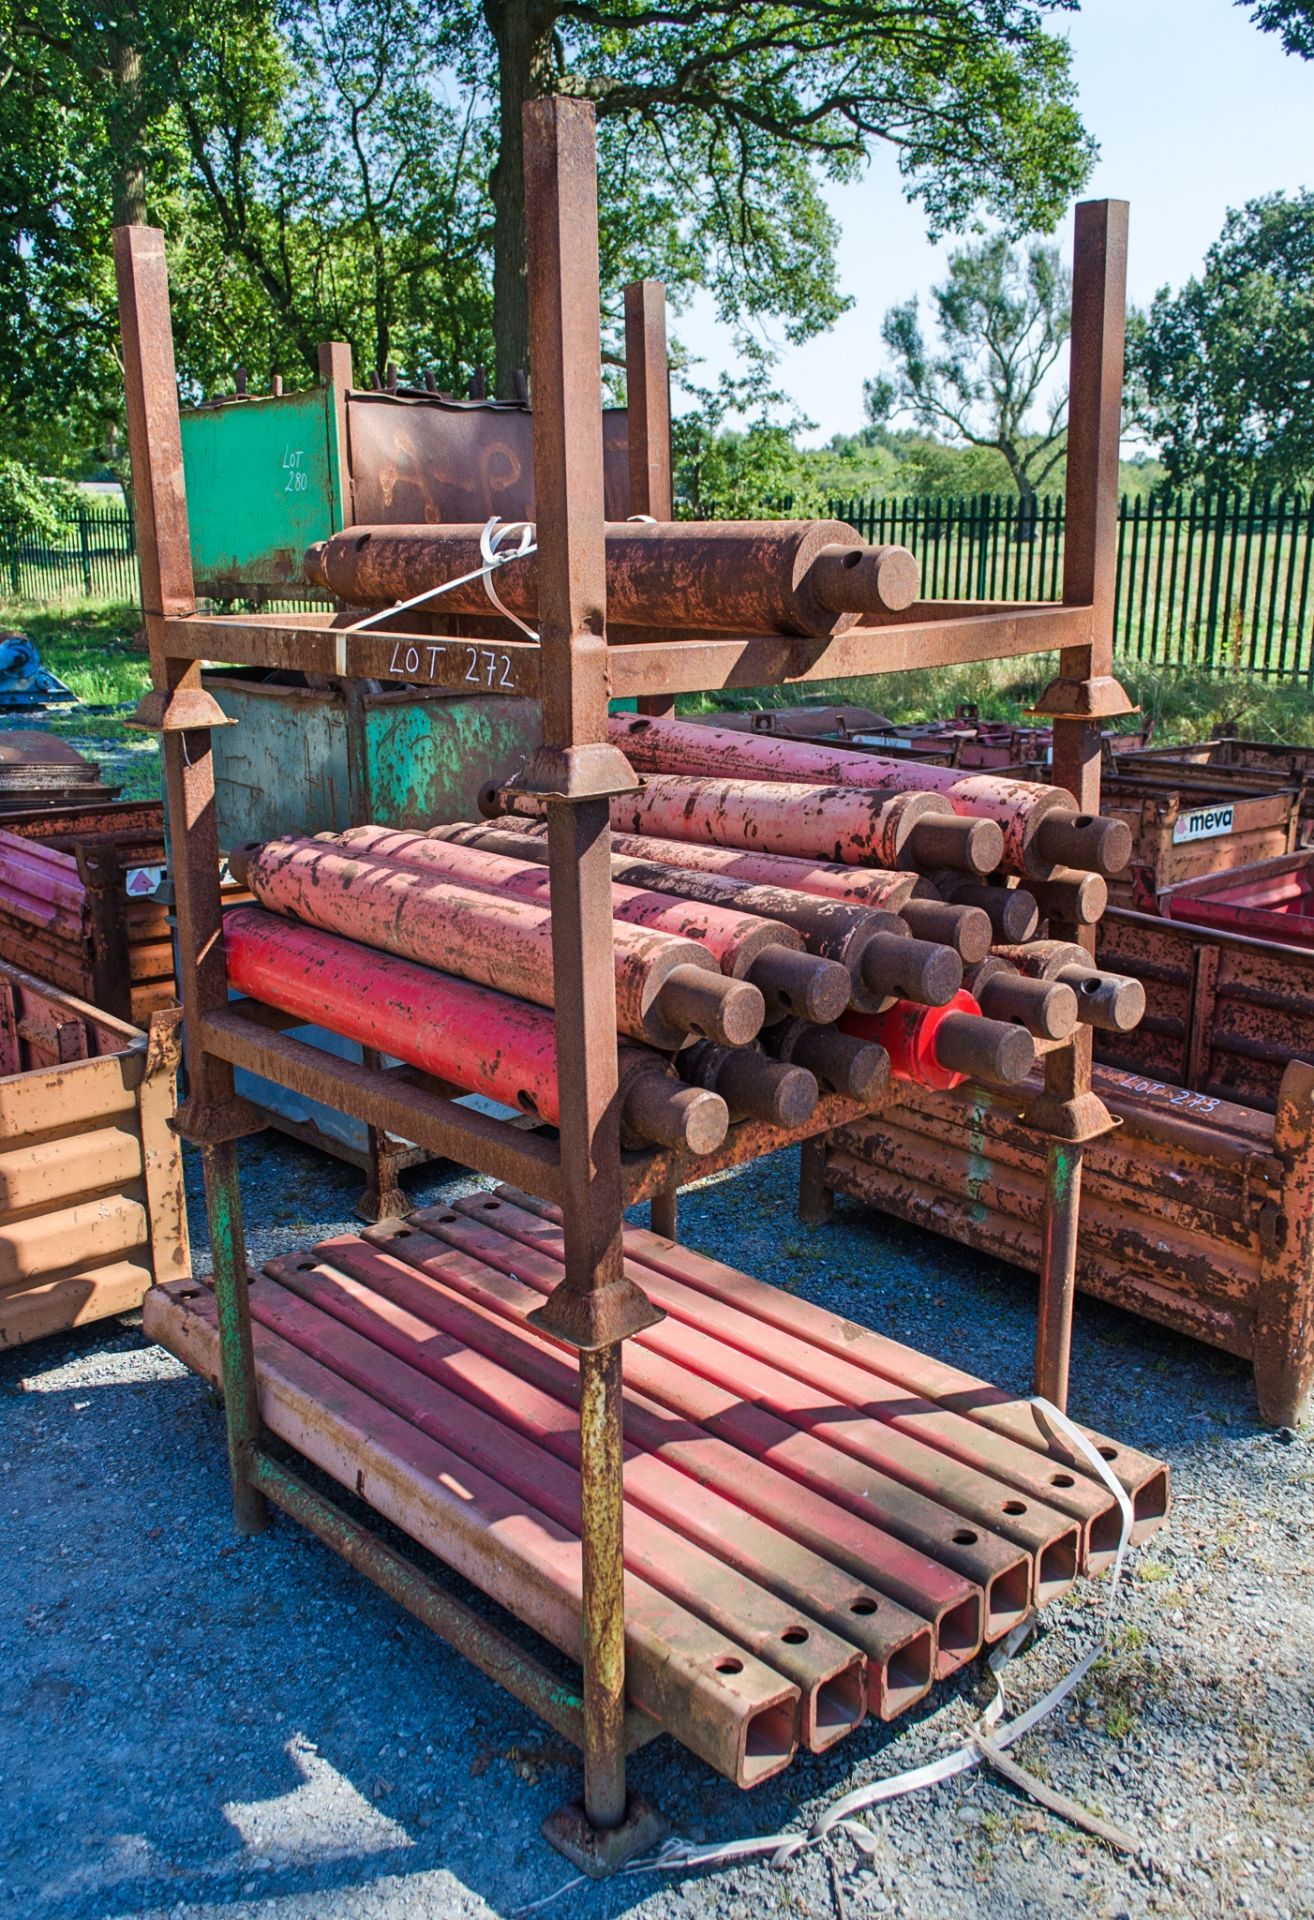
x=89 y=644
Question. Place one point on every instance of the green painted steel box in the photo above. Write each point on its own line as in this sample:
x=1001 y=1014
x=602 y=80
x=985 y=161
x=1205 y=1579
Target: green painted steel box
x=263 y=482
x=283 y=767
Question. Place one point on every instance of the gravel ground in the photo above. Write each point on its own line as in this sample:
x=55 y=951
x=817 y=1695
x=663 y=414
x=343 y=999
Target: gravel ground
x=190 y=1724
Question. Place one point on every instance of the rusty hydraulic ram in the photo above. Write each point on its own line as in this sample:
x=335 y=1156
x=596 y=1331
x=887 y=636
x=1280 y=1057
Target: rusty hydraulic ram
x=804 y=822
x=1046 y=1008
x=667 y=989
x=943 y=1046
x=1112 y=1001
x=752 y=1086
x=860 y=886
x=841 y=1062
x=752 y=576
x=481 y=1041
x=1041 y=828
x=1013 y=912
x=883 y=959
x=744 y=945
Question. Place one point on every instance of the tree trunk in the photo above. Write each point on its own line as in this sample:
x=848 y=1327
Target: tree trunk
x=124 y=121
x=1026 y=492
x=522 y=32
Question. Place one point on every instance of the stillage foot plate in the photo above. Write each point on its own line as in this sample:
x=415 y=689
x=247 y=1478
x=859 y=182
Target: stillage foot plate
x=600 y=1852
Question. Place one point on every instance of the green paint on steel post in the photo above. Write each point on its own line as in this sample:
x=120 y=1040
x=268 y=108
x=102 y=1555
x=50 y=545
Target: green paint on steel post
x=979 y=1168
x=1064 y=1159
x=223 y=1204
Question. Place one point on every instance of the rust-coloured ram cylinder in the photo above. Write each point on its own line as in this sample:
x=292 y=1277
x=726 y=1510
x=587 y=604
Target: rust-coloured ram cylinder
x=666 y=988
x=841 y=1062
x=1078 y=898
x=765 y=954
x=752 y=1086
x=468 y=1035
x=465 y=856
x=883 y=959
x=859 y=886
x=842 y=824
x=1041 y=827
x=813 y=578
x=1046 y=1008
x=1011 y=911
x=1113 y=1002
x=966 y=929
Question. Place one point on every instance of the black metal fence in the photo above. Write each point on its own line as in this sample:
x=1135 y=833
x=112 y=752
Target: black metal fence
x=94 y=554
x=1221 y=581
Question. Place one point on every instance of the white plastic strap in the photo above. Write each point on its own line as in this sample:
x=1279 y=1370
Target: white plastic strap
x=986 y=1741
x=490 y=541
x=493 y=557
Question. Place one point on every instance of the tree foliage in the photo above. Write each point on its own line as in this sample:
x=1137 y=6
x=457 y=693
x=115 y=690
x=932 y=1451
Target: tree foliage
x=30 y=506
x=352 y=168
x=734 y=453
x=1222 y=373
x=1003 y=316
x=734 y=112
x=1293 y=19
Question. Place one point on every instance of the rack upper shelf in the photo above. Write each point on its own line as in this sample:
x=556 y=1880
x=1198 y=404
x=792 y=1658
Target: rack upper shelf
x=655 y=664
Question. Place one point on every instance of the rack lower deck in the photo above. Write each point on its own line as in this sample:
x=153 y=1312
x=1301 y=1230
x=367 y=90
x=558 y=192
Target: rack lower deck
x=818 y=1521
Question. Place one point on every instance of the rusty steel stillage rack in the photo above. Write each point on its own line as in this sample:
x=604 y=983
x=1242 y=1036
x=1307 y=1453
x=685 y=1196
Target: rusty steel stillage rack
x=573 y=672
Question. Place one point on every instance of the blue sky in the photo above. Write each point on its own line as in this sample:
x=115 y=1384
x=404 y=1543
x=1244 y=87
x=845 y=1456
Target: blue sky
x=1195 y=111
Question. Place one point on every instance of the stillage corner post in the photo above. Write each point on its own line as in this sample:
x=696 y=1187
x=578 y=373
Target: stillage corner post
x=596 y=1306
x=1085 y=693
x=184 y=714
x=648 y=409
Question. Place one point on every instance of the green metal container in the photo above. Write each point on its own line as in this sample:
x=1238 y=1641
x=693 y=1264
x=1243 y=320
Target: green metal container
x=264 y=481
x=283 y=768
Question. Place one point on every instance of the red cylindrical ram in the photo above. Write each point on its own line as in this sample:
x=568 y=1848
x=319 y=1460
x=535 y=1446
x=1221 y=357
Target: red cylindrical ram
x=940 y=1047
x=966 y=929
x=744 y=576
x=752 y=1086
x=876 y=887
x=666 y=988
x=884 y=960
x=763 y=953
x=842 y=824
x=467 y=857
x=1011 y=911
x=1079 y=898
x=1041 y=827
x=472 y=1037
